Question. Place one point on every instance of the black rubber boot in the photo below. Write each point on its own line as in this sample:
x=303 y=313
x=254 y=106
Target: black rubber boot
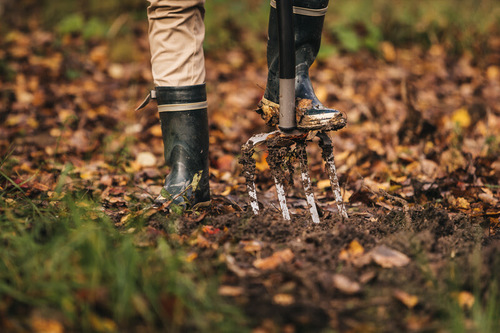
x=184 y=125
x=311 y=113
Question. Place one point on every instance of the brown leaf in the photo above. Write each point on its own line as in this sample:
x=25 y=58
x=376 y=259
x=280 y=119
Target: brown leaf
x=274 y=260
x=388 y=258
x=283 y=299
x=230 y=291
x=345 y=285
x=488 y=198
x=251 y=246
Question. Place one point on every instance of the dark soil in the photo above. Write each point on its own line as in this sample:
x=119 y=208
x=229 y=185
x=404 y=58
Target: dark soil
x=300 y=294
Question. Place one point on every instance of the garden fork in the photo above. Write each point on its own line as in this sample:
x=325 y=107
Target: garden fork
x=288 y=144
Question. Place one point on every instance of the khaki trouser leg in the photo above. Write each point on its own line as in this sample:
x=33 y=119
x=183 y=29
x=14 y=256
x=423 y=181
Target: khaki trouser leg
x=176 y=33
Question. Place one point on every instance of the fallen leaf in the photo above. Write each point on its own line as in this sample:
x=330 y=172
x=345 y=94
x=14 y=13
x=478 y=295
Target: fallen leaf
x=232 y=291
x=461 y=117
x=488 y=198
x=465 y=299
x=409 y=300
x=191 y=256
x=146 y=159
x=388 y=51
x=226 y=162
x=459 y=203
x=209 y=230
x=43 y=325
x=354 y=250
x=100 y=324
x=156 y=131
x=261 y=164
x=345 y=285
x=283 y=299
x=274 y=260
x=388 y=258
x=323 y=184
x=251 y=246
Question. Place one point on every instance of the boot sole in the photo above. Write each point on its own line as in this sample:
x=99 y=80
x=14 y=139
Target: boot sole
x=319 y=123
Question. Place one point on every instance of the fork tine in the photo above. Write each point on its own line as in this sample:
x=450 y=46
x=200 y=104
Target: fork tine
x=249 y=168
x=306 y=180
x=280 y=189
x=327 y=151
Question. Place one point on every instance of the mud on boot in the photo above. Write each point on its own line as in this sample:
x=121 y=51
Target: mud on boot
x=311 y=113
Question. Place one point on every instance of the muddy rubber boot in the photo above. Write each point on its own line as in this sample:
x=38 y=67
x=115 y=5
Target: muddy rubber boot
x=184 y=125
x=311 y=114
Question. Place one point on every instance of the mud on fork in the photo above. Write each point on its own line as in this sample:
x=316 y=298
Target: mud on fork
x=283 y=150
x=288 y=143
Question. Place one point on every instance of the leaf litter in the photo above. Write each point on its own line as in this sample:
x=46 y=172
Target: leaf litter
x=419 y=162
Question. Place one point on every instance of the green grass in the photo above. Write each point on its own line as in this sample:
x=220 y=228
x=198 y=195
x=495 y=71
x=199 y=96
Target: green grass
x=349 y=25
x=63 y=256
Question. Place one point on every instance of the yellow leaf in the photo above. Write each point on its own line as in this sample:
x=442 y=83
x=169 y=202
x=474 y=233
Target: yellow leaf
x=191 y=256
x=388 y=51
x=43 y=325
x=102 y=324
x=262 y=164
x=465 y=299
x=125 y=218
x=355 y=249
x=409 y=300
x=156 y=131
x=461 y=117
x=460 y=203
x=323 y=184
x=493 y=73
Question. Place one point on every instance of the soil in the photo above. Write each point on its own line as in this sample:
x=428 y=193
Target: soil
x=302 y=295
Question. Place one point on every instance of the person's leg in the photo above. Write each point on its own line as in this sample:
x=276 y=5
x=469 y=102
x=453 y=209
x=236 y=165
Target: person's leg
x=176 y=33
x=309 y=16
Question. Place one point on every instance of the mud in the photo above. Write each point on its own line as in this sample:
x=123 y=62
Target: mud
x=303 y=295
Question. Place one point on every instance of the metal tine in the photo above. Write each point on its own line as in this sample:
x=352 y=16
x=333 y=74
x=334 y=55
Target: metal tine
x=280 y=189
x=327 y=151
x=306 y=180
x=249 y=173
x=252 y=193
x=277 y=167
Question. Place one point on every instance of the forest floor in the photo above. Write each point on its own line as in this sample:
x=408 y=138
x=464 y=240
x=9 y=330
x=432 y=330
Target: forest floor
x=418 y=163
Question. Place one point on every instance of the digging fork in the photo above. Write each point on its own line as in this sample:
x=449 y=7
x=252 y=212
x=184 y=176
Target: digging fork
x=280 y=142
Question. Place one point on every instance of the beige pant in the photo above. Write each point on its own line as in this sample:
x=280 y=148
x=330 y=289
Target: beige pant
x=176 y=33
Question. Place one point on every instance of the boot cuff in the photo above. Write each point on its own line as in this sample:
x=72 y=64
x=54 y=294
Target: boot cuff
x=308 y=8
x=181 y=95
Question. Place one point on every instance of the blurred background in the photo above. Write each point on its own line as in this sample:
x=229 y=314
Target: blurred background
x=350 y=25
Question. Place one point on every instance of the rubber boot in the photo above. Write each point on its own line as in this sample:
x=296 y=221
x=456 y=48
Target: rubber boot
x=311 y=113
x=184 y=126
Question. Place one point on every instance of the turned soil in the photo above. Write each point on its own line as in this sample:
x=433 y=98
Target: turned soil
x=331 y=281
